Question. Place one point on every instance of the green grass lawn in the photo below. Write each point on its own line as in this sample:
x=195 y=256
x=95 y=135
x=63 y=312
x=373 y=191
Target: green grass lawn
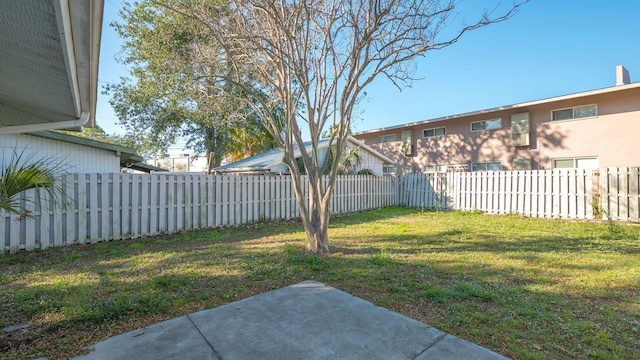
x=526 y=288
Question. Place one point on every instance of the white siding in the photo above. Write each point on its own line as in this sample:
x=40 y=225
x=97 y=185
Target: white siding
x=371 y=162
x=77 y=158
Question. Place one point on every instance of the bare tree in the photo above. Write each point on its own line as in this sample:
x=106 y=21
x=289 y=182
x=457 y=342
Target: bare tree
x=315 y=58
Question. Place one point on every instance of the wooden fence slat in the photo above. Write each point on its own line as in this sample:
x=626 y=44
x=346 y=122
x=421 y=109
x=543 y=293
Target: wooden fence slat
x=580 y=194
x=187 y=203
x=154 y=209
x=163 y=201
x=81 y=206
x=136 y=195
x=116 y=222
x=15 y=242
x=211 y=191
x=202 y=185
x=31 y=240
x=105 y=208
x=93 y=208
x=528 y=190
x=181 y=201
x=224 y=192
x=145 y=206
x=4 y=229
x=614 y=191
x=623 y=194
x=125 y=207
x=634 y=194
x=218 y=201
x=68 y=189
x=171 y=204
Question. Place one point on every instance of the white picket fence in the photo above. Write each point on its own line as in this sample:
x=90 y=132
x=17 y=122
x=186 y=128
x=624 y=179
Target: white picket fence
x=105 y=207
x=620 y=193
x=556 y=193
x=561 y=193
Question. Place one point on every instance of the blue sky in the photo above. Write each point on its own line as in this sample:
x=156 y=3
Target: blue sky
x=550 y=48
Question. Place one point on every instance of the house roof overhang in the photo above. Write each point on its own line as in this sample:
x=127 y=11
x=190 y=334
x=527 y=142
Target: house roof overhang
x=607 y=90
x=49 y=64
x=141 y=166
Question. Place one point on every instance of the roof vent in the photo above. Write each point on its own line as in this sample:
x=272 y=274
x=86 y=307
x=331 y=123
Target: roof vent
x=622 y=76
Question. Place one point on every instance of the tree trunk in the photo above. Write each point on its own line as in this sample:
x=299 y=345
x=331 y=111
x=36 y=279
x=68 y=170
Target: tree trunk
x=214 y=143
x=317 y=231
x=314 y=213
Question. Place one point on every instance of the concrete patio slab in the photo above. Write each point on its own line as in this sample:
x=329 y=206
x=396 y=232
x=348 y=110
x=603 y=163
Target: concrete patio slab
x=172 y=339
x=304 y=321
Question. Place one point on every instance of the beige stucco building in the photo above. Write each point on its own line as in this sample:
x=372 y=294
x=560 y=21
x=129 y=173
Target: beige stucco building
x=591 y=129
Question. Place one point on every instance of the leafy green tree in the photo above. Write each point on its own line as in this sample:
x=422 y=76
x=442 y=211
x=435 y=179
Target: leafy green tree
x=176 y=87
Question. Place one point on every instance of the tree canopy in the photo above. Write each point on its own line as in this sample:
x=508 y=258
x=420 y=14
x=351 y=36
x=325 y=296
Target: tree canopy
x=314 y=59
x=176 y=92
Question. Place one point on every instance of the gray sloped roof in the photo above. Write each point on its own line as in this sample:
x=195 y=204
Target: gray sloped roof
x=261 y=162
x=269 y=160
x=49 y=63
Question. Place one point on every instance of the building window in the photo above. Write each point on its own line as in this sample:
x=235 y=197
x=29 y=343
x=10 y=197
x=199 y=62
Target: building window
x=576 y=163
x=486 y=166
x=433 y=132
x=388 y=169
x=387 y=138
x=434 y=168
x=521 y=164
x=492 y=124
x=574 y=113
x=457 y=167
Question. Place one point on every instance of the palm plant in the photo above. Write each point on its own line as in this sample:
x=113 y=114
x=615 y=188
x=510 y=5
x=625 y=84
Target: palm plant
x=23 y=172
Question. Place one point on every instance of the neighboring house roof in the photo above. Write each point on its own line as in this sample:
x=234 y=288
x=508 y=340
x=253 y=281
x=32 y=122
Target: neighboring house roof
x=128 y=156
x=268 y=160
x=513 y=106
x=49 y=64
x=144 y=167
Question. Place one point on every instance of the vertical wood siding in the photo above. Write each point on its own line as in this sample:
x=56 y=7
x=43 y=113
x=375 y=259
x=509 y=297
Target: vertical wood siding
x=74 y=157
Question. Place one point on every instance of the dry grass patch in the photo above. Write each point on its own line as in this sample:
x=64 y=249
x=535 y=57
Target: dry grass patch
x=527 y=288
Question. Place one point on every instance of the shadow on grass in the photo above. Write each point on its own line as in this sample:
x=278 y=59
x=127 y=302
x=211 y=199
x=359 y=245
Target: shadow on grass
x=469 y=284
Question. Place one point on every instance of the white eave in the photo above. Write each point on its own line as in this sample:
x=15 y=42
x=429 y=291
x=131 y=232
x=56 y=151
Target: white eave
x=49 y=64
x=509 y=107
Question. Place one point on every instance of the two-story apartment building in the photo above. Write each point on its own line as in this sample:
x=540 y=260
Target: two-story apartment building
x=591 y=129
